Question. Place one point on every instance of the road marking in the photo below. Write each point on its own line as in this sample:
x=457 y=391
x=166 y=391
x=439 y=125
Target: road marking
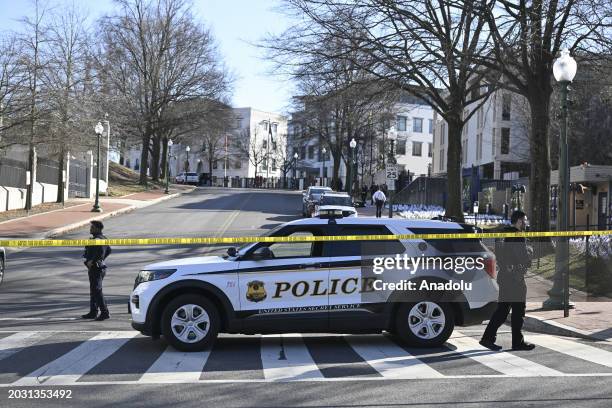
x=504 y=362
x=32 y=319
x=574 y=349
x=390 y=360
x=286 y=357
x=175 y=366
x=68 y=368
x=16 y=342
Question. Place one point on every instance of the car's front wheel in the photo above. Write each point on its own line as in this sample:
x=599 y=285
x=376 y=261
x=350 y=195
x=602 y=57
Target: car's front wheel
x=427 y=323
x=190 y=323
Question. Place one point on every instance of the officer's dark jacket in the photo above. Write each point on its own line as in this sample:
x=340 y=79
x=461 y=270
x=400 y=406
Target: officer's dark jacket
x=97 y=253
x=513 y=258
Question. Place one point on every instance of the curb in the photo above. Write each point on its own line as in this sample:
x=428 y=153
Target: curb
x=539 y=325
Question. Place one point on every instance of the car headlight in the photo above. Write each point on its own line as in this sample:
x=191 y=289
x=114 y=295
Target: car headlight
x=151 y=275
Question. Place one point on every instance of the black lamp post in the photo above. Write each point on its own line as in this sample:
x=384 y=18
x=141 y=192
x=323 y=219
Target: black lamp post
x=349 y=179
x=324 y=151
x=96 y=207
x=295 y=159
x=564 y=70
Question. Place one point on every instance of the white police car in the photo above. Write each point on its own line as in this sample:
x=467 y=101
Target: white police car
x=314 y=286
x=332 y=201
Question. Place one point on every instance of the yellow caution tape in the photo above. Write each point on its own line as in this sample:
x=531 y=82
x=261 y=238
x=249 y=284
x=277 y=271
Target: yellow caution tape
x=243 y=240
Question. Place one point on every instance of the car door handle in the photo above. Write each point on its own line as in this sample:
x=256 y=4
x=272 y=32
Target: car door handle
x=311 y=265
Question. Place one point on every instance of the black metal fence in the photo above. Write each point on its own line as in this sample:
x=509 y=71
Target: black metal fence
x=13 y=173
x=47 y=171
x=79 y=179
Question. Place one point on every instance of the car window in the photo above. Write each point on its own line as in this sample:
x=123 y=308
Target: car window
x=192 y=174
x=318 y=191
x=362 y=248
x=293 y=249
x=449 y=245
x=345 y=201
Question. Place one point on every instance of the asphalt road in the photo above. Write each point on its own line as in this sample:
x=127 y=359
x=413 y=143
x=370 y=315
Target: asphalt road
x=45 y=346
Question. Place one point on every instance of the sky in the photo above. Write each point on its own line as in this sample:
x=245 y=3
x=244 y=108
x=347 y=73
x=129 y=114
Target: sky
x=234 y=24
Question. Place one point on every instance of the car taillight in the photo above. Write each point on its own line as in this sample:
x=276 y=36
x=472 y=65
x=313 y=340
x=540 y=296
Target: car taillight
x=489 y=263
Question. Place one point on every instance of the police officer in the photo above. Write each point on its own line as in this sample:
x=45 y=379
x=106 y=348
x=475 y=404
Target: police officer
x=96 y=268
x=514 y=258
x=379 y=199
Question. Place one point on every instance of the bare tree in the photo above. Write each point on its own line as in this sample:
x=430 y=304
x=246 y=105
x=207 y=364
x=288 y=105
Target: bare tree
x=424 y=47
x=155 y=55
x=526 y=38
x=250 y=144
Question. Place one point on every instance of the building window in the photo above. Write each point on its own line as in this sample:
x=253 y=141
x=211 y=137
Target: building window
x=265 y=126
x=215 y=164
x=466 y=125
x=479 y=146
x=238 y=123
x=443 y=133
x=480 y=120
x=430 y=150
x=505 y=140
x=264 y=144
x=464 y=151
x=303 y=152
x=401 y=123
x=273 y=164
x=493 y=141
x=494 y=106
x=441 y=163
x=506 y=105
x=417 y=125
x=311 y=152
x=238 y=164
x=431 y=126
x=401 y=147
x=274 y=127
x=417 y=148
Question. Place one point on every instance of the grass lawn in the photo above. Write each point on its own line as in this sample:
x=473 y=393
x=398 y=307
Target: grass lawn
x=123 y=181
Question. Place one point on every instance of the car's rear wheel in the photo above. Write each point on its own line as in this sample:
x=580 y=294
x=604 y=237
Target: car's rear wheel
x=190 y=323
x=427 y=323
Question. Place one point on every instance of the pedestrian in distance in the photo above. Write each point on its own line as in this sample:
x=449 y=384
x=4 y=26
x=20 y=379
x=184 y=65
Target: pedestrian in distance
x=379 y=200
x=514 y=259
x=372 y=191
x=95 y=256
x=364 y=194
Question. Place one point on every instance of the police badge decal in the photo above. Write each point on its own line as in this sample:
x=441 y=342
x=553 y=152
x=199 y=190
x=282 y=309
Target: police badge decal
x=256 y=291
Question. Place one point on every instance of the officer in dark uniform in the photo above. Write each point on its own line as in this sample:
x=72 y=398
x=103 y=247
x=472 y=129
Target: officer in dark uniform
x=514 y=258
x=96 y=268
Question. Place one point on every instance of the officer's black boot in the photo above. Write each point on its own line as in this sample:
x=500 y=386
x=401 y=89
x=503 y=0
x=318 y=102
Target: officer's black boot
x=91 y=315
x=103 y=316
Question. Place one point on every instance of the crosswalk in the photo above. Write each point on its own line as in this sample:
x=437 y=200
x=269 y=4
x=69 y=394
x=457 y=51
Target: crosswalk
x=126 y=357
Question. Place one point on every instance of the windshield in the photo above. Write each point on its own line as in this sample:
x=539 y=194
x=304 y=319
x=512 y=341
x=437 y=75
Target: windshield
x=345 y=201
x=317 y=191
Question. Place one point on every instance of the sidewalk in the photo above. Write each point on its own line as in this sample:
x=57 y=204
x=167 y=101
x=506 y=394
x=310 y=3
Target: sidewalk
x=54 y=223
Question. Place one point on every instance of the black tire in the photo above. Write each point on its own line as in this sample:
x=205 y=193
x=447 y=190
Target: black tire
x=213 y=326
x=406 y=335
x=2 y=266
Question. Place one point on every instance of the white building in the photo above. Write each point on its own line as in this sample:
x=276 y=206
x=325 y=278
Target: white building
x=494 y=140
x=254 y=146
x=410 y=137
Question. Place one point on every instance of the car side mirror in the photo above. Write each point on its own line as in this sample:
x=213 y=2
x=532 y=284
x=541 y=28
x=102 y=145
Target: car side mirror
x=232 y=252
x=262 y=253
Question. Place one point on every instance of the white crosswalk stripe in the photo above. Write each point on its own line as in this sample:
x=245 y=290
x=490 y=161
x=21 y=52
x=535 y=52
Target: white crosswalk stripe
x=175 y=366
x=390 y=360
x=72 y=365
x=505 y=363
x=19 y=341
x=286 y=357
x=573 y=348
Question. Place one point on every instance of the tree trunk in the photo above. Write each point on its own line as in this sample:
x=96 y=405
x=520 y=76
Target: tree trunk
x=155 y=157
x=539 y=186
x=164 y=158
x=454 y=207
x=144 y=158
x=60 y=176
x=336 y=171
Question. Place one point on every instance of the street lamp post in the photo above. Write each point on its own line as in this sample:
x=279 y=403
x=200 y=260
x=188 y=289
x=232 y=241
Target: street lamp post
x=564 y=70
x=167 y=191
x=324 y=151
x=295 y=159
x=187 y=149
x=96 y=207
x=349 y=179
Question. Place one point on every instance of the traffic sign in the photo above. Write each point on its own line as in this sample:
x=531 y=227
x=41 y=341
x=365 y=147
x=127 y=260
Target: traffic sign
x=391 y=170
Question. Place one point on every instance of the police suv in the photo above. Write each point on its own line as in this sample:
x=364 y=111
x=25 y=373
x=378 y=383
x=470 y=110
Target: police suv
x=316 y=286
